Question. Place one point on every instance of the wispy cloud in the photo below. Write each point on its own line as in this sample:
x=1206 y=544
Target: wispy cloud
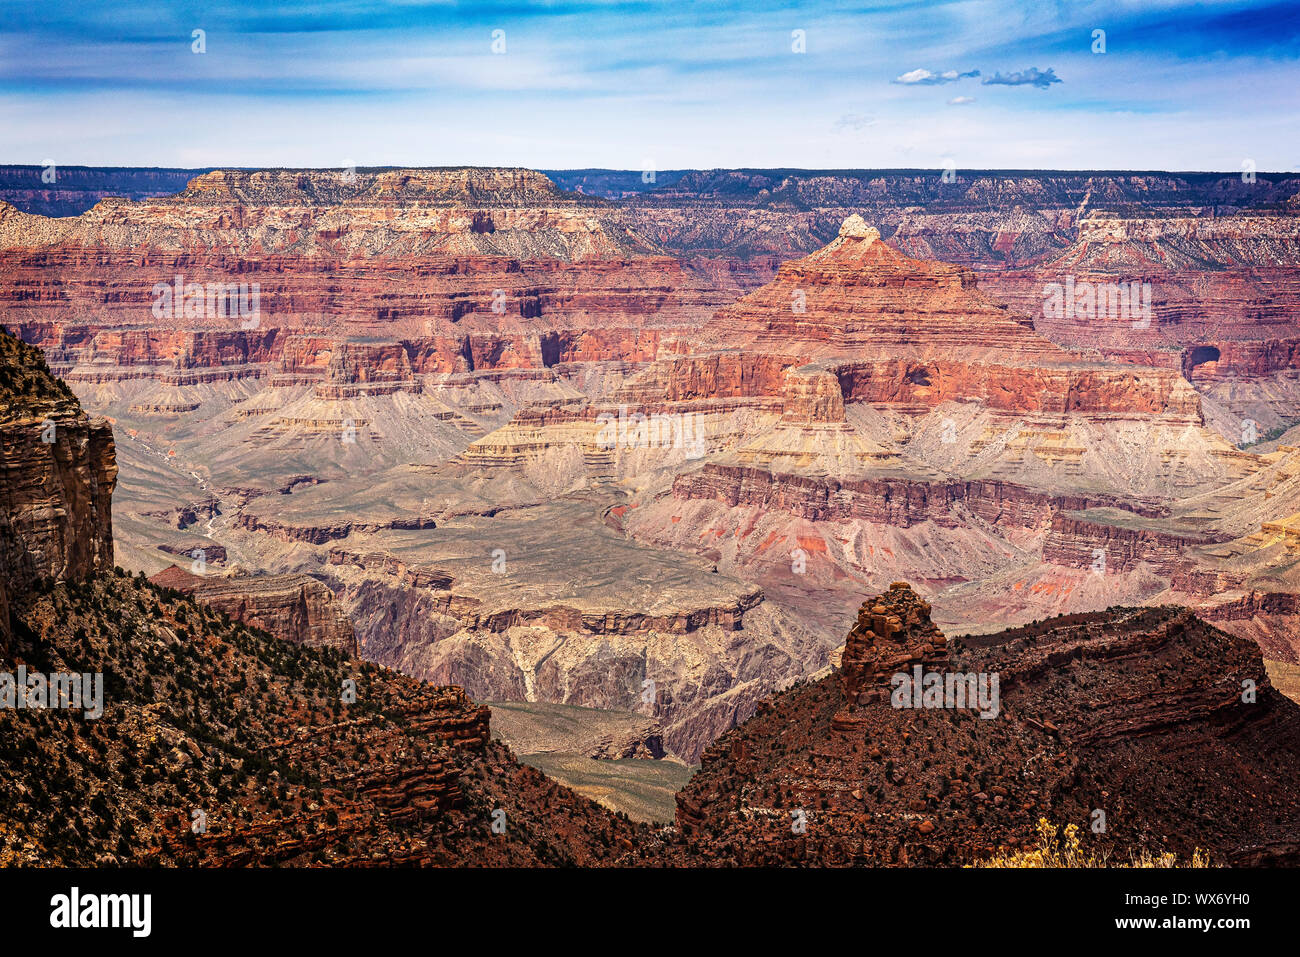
x=961 y=100
x=854 y=121
x=1031 y=77
x=926 y=78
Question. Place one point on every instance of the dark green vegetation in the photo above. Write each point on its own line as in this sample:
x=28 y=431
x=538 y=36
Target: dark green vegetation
x=202 y=714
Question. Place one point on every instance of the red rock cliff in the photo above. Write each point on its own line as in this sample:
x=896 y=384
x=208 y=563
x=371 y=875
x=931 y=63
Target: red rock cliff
x=57 y=471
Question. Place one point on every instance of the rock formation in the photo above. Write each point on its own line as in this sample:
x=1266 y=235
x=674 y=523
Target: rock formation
x=294 y=753
x=293 y=608
x=893 y=633
x=56 y=480
x=215 y=743
x=1088 y=710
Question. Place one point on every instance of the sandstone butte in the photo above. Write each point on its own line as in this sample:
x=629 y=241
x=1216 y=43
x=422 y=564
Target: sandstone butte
x=900 y=330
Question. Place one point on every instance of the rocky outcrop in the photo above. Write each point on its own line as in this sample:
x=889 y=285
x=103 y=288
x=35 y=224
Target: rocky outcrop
x=1107 y=547
x=812 y=397
x=1021 y=388
x=1076 y=721
x=1271 y=619
x=209 y=552
x=713 y=376
x=859 y=297
x=1251 y=604
x=898 y=503
x=367 y=368
x=57 y=472
x=294 y=608
x=318 y=534
x=893 y=634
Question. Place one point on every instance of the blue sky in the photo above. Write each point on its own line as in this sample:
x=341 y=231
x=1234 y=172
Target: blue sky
x=1190 y=86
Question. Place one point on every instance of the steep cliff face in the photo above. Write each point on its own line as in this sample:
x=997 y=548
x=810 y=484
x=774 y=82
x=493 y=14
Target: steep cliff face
x=294 y=608
x=896 y=502
x=1075 y=541
x=57 y=472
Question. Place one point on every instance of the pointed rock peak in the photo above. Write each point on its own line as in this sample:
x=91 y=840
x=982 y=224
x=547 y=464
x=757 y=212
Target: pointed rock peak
x=855 y=227
x=892 y=634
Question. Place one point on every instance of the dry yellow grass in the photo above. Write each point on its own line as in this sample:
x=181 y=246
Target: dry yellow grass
x=1062 y=848
x=1285 y=677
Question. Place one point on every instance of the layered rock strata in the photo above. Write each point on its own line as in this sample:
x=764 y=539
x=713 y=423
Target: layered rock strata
x=57 y=472
x=294 y=608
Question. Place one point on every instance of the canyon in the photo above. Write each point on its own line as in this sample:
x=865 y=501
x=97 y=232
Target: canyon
x=233 y=735
x=560 y=441
x=220 y=744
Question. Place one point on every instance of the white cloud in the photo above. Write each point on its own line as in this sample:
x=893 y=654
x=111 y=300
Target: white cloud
x=926 y=78
x=915 y=76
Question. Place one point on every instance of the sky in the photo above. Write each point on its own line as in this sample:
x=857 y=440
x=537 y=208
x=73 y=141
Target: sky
x=968 y=84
